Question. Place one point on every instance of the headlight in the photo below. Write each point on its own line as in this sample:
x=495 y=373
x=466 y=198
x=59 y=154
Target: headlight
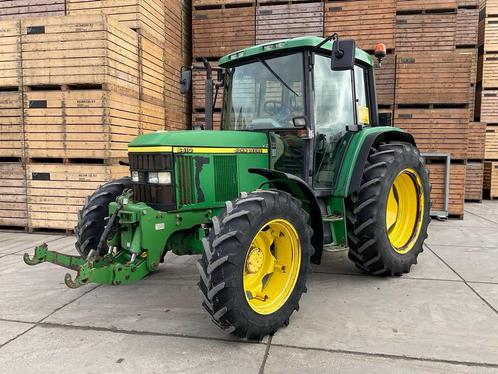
x=163 y=177
x=134 y=176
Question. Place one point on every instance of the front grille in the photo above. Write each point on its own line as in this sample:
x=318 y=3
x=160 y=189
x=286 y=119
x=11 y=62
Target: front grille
x=158 y=196
x=185 y=172
x=225 y=178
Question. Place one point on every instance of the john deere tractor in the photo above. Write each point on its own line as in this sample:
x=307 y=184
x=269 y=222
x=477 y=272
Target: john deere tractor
x=301 y=165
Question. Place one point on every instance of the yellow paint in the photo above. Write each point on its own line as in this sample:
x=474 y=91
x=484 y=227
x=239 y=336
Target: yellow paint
x=405 y=211
x=363 y=115
x=150 y=149
x=186 y=150
x=272 y=265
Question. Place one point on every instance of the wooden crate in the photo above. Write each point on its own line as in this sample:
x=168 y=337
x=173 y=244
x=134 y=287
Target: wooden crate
x=474 y=173
x=476 y=139
x=55 y=192
x=217 y=32
x=489 y=34
x=385 y=79
x=467 y=26
x=10 y=54
x=436 y=130
x=490 y=184
x=437 y=174
x=414 y=5
x=13 y=209
x=152 y=81
x=11 y=125
x=367 y=21
x=144 y=15
x=491 y=145
x=489 y=106
x=489 y=70
x=178 y=53
x=85 y=123
x=433 y=78
x=11 y=9
x=79 y=49
x=425 y=32
x=283 y=21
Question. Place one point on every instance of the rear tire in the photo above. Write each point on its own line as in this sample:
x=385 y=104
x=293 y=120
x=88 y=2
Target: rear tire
x=92 y=218
x=383 y=239
x=226 y=263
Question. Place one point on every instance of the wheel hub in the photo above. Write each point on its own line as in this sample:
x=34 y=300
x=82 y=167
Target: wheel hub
x=255 y=260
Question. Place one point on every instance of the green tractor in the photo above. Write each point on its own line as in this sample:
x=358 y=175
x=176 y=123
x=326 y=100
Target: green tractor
x=302 y=165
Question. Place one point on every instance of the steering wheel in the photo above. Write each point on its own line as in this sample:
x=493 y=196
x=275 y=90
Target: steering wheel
x=273 y=107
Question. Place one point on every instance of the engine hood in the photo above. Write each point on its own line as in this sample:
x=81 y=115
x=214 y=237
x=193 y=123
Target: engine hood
x=200 y=138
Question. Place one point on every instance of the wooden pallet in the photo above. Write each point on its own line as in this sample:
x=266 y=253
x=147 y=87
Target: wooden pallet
x=144 y=15
x=474 y=174
x=13 y=9
x=55 y=192
x=436 y=130
x=385 y=80
x=79 y=49
x=490 y=184
x=13 y=209
x=491 y=145
x=476 y=140
x=85 y=123
x=432 y=78
x=418 y=5
x=425 y=32
x=367 y=21
x=283 y=21
x=10 y=54
x=11 y=125
x=437 y=173
x=217 y=32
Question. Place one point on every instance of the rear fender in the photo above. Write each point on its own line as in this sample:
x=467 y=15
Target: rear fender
x=304 y=193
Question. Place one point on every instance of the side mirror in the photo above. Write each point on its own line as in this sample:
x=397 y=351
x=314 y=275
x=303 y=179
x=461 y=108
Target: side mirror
x=186 y=81
x=300 y=122
x=343 y=53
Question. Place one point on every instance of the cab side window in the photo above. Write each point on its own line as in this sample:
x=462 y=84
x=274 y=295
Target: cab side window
x=362 y=99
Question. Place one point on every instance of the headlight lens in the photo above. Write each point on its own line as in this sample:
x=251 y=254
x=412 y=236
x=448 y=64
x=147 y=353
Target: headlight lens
x=163 y=177
x=134 y=176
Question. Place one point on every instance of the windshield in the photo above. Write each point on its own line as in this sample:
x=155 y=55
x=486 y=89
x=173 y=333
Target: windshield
x=264 y=94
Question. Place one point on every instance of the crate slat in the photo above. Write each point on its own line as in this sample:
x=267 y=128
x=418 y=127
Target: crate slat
x=474 y=174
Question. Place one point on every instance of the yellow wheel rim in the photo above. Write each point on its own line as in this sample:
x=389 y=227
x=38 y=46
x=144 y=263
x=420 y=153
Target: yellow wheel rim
x=272 y=266
x=405 y=210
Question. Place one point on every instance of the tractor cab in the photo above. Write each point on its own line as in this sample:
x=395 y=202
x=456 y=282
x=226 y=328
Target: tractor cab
x=306 y=94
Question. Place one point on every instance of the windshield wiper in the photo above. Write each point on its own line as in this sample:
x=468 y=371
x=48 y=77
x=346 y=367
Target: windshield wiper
x=265 y=64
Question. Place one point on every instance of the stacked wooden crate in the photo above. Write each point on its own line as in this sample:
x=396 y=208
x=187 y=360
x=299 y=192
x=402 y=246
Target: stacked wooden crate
x=77 y=89
x=487 y=96
x=436 y=63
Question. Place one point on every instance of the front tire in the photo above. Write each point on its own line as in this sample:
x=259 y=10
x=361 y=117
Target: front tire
x=92 y=218
x=255 y=263
x=387 y=218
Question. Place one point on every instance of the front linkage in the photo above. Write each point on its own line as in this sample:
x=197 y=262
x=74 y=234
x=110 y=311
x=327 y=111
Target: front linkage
x=116 y=267
x=136 y=236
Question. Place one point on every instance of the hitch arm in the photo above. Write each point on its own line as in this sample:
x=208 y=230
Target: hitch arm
x=42 y=254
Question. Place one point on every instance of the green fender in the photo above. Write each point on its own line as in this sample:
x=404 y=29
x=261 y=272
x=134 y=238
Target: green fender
x=357 y=147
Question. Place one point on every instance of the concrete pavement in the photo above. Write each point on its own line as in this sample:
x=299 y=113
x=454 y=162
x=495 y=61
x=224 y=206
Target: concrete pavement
x=441 y=317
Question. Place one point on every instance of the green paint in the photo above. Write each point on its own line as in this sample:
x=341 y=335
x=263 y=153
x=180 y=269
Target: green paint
x=305 y=42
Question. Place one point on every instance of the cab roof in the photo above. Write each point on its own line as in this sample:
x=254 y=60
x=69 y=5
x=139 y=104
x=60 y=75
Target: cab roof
x=284 y=45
